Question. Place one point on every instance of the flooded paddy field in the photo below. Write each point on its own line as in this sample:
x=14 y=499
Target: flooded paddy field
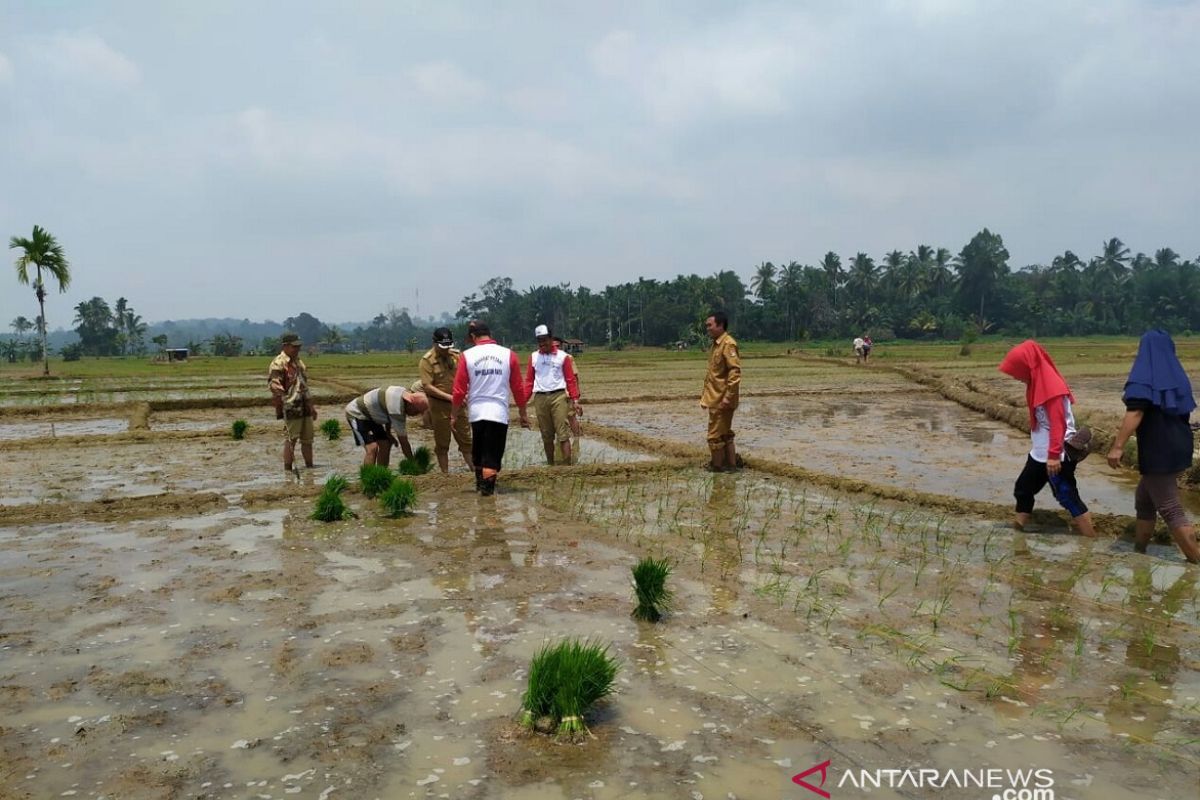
x=238 y=649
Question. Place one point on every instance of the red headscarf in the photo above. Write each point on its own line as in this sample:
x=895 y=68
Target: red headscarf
x=1029 y=363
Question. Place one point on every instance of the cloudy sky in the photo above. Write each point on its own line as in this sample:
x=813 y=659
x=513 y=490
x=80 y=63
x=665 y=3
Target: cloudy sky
x=262 y=159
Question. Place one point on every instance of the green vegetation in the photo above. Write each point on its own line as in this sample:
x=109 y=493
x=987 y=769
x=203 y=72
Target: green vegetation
x=239 y=429
x=419 y=464
x=374 y=479
x=332 y=429
x=399 y=499
x=43 y=252
x=565 y=681
x=330 y=506
x=650 y=588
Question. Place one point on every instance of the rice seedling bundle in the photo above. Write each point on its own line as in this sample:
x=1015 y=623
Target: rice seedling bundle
x=374 y=479
x=399 y=499
x=330 y=507
x=332 y=429
x=239 y=429
x=565 y=681
x=650 y=589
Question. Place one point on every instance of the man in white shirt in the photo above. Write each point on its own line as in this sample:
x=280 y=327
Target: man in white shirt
x=377 y=419
x=487 y=378
x=551 y=383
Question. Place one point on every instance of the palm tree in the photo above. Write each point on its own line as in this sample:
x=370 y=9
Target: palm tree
x=44 y=252
x=940 y=277
x=763 y=282
x=21 y=326
x=863 y=276
x=831 y=265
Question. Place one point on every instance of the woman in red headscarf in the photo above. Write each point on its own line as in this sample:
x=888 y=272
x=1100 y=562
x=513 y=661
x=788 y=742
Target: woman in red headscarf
x=1050 y=423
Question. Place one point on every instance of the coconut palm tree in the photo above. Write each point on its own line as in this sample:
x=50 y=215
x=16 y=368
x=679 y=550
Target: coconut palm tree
x=763 y=282
x=44 y=253
x=21 y=326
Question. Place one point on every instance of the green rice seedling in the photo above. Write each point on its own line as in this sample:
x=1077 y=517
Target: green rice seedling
x=239 y=429
x=330 y=506
x=565 y=681
x=374 y=479
x=332 y=429
x=650 y=589
x=399 y=499
x=424 y=458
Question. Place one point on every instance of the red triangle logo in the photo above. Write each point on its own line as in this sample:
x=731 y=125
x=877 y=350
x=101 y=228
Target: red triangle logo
x=799 y=779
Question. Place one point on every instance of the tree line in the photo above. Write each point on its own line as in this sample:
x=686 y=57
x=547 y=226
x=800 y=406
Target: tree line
x=924 y=293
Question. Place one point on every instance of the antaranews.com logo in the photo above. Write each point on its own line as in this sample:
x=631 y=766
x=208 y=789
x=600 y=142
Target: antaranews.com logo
x=996 y=783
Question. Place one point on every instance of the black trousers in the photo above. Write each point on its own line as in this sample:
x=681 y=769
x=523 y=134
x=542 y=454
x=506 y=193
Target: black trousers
x=487 y=443
x=1034 y=478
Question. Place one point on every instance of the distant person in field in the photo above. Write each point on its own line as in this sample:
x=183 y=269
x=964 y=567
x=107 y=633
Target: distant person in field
x=287 y=379
x=1158 y=405
x=550 y=382
x=1049 y=401
x=487 y=379
x=378 y=419
x=867 y=345
x=576 y=410
x=438 y=367
x=720 y=395
x=862 y=349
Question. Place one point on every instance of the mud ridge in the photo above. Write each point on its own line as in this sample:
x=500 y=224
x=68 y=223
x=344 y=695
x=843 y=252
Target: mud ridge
x=156 y=505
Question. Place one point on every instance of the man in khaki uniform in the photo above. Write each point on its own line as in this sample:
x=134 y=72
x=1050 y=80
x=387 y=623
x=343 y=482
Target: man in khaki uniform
x=720 y=395
x=287 y=378
x=438 y=366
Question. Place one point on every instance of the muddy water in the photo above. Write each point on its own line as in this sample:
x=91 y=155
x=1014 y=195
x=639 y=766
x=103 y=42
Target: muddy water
x=61 y=428
x=218 y=464
x=913 y=440
x=254 y=653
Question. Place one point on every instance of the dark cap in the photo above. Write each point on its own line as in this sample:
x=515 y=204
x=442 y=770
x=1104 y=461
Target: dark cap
x=290 y=338
x=443 y=338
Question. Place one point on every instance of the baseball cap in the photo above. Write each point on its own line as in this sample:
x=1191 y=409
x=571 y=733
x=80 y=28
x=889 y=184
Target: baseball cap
x=541 y=330
x=443 y=338
x=290 y=338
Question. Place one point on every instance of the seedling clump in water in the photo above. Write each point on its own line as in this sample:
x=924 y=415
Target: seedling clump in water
x=374 y=479
x=650 y=588
x=239 y=429
x=332 y=429
x=399 y=499
x=565 y=681
x=330 y=506
x=420 y=463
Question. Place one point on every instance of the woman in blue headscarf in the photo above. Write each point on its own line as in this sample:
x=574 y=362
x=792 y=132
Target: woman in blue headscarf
x=1158 y=401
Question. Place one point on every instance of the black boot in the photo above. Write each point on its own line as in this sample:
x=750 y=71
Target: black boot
x=489 y=486
x=478 y=479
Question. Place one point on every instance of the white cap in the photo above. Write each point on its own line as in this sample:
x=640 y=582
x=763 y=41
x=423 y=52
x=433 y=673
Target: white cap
x=541 y=330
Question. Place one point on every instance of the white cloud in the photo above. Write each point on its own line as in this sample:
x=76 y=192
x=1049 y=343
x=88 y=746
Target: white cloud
x=87 y=57
x=445 y=82
x=6 y=70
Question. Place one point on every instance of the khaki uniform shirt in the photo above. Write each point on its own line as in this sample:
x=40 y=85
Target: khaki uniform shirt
x=724 y=373
x=438 y=372
x=289 y=379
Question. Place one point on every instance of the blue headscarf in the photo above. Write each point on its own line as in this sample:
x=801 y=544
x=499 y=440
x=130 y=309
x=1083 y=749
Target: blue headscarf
x=1158 y=376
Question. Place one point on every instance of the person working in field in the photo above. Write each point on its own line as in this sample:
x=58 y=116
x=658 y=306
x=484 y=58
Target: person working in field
x=1159 y=402
x=862 y=349
x=438 y=366
x=550 y=381
x=1051 y=422
x=720 y=395
x=487 y=378
x=576 y=410
x=377 y=419
x=287 y=378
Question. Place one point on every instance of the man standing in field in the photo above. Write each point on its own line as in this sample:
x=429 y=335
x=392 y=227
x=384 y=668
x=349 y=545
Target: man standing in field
x=551 y=382
x=720 y=395
x=287 y=378
x=438 y=367
x=377 y=420
x=488 y=376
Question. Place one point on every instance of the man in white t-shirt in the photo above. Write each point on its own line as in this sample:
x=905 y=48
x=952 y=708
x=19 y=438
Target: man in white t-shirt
x=550 y=381
x=488 y=377
x=378 y=418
